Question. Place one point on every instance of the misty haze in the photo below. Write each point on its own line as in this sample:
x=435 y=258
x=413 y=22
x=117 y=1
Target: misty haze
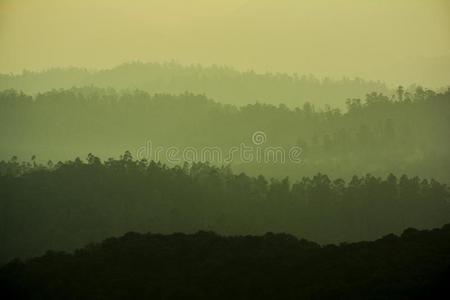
x=227 y=149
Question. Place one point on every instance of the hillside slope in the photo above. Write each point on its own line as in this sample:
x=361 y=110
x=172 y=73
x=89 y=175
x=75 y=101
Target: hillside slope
x=207 y=266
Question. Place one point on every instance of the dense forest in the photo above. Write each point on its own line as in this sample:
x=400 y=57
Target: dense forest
x=68 y=204
x=207 y=266
x=404 y=133
x=226 y=149
x=222 y=83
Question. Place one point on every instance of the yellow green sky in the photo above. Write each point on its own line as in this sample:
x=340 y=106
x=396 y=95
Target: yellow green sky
x=398 y=41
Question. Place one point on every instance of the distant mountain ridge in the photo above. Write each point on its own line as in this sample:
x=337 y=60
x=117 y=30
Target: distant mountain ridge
x=223 y=84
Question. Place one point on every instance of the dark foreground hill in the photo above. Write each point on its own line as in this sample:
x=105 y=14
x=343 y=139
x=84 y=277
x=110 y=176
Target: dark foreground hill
x=209 y=266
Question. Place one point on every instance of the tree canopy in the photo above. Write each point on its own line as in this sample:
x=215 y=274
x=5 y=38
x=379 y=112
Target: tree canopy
x=66 y=204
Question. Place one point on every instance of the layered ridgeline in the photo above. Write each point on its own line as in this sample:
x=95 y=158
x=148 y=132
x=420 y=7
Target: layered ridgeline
x=415 y=265
x=223 y=84
x=405 y=133
x=76 y=202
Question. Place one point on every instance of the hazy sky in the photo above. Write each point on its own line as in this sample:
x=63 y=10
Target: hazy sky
x=399 y=41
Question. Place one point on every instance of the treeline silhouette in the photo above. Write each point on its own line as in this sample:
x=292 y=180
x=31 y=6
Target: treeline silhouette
x=406 y=133
x=204 y=265
x=224 y=84
x=67 y=204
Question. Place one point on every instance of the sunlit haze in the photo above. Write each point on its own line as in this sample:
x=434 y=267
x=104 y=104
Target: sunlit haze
x=396 y=41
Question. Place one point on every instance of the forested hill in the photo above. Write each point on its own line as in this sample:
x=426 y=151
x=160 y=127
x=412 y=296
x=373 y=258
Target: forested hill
x=224 y=84
x=71 y=203
x=403 y=134
x=415 y=265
